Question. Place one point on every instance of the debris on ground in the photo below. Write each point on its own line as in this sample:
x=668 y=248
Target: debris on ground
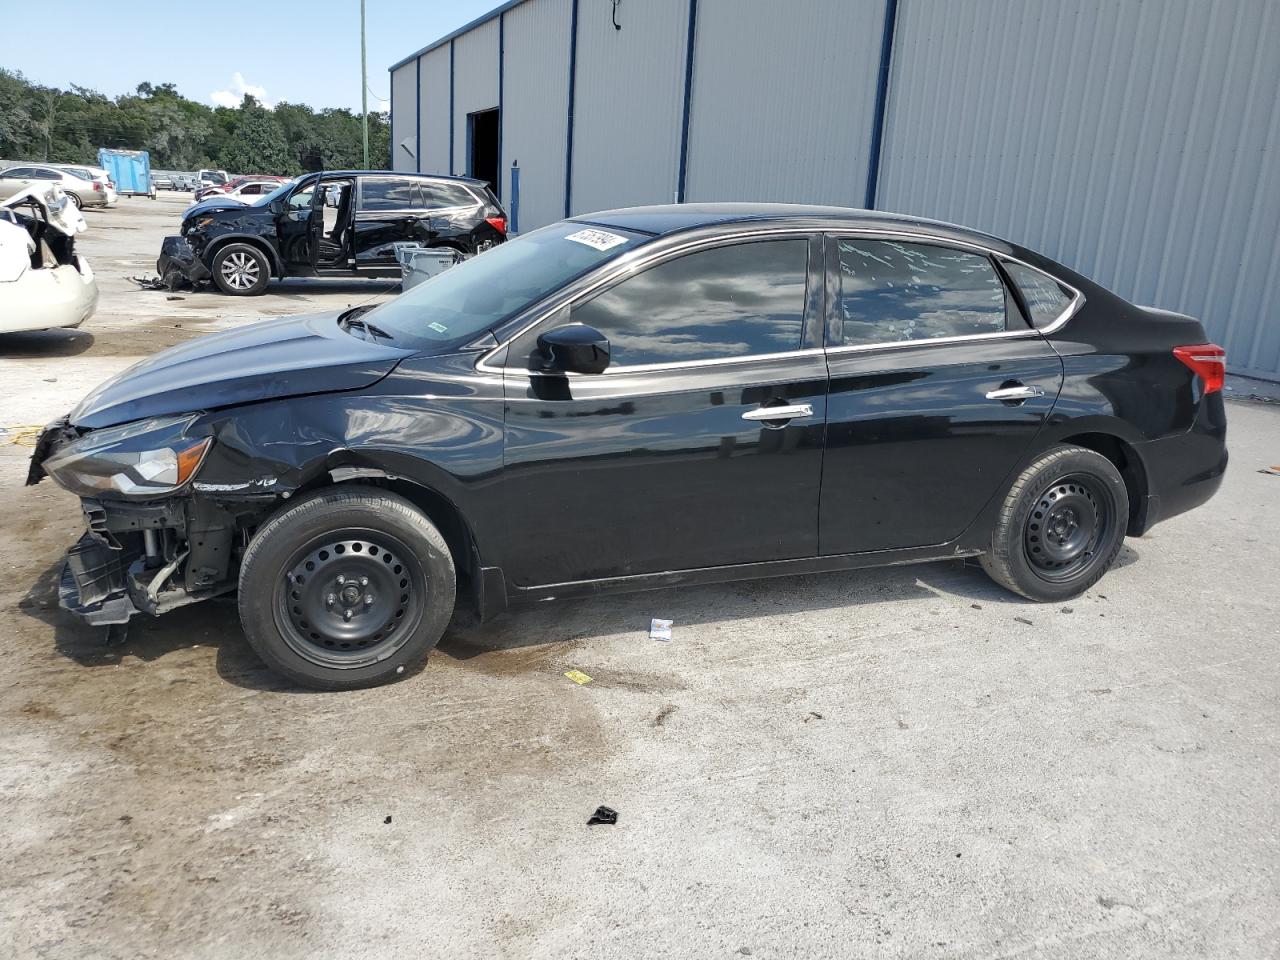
x=20 y=436
x=604 y=815
x=149 y=283
x=976 y=606
x=903 y=725
x=174 y=297
x=660 y=629
x=665 y=712
x=814 y=715
x=1273 y=471
x=388 y=819
x=577 y=676
x=1024 y=620
x=1068 y=610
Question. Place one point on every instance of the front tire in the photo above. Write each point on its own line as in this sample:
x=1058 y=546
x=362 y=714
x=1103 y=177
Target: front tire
x=1060 y=527
x=240 y=270
x=75 y=199
x=347 y=588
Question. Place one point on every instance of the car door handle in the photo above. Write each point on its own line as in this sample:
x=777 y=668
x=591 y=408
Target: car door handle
x=783 y=412
x=1016 y=392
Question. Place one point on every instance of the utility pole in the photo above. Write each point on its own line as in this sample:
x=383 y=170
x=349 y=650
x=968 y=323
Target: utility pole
x=364 y=89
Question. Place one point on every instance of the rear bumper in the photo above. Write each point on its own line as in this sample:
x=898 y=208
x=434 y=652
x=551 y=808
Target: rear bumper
x=1186 y=470
x=48 y=297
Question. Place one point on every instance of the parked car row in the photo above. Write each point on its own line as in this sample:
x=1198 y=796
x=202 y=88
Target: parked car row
x=84 y=186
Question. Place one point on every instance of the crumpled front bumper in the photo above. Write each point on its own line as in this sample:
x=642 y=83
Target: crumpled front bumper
x=176 y=253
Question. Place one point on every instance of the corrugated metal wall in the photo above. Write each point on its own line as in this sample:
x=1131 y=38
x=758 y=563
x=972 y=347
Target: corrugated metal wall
x=404 y=127
x=628 y=103
x=435 y=111
x=1135 y=142
x=475 y=83
x=535 y=103
x=783 y=98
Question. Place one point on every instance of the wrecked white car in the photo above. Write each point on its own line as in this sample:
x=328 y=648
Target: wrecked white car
x=43 y=281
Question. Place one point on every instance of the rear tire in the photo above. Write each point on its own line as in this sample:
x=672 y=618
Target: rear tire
x=1060 y=527
x=240 y=270
x=75 y=199
x=348 y=588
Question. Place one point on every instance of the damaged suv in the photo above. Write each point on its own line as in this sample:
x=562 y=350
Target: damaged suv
x=336 y=224
x=637 y=399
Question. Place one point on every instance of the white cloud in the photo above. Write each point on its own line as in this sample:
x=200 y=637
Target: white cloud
x=235 y=95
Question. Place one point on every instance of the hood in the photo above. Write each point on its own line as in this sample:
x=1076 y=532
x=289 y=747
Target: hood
x=263 y=361
x=214 y=204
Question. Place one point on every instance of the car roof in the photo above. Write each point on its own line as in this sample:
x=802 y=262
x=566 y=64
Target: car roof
x=676 y=217
x=403 y=173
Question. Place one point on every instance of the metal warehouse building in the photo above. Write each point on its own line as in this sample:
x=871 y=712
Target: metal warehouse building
x=1136 y=141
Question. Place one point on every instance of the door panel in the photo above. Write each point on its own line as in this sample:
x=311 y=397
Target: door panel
x=627 y=473
x=298 y=227
x=914 y=447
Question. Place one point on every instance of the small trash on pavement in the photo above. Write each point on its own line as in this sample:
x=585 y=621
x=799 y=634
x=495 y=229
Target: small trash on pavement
x=1024 y=620
x=1273 y=471
x=604 y=815
x=577 y=676
x=660 y=629
x=388 y=819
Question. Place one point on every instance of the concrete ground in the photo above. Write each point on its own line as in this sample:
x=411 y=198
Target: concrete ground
x=903 y=762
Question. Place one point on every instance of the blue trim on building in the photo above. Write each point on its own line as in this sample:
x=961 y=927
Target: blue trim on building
x=417 y=120
x=502 y=57
x=573 y=70
x=688 y=99
x=391 y=108
x=882 y=100
x=451 y=123
x=448 y=37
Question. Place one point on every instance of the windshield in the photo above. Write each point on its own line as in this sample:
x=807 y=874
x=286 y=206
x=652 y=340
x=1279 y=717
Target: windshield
x=478 y=294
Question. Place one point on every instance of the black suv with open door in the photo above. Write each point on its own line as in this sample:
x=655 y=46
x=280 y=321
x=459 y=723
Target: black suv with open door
x=342 y=223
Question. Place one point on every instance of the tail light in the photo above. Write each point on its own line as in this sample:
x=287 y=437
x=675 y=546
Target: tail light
x=498 y=223
x=97 y=186
x=1208 y=361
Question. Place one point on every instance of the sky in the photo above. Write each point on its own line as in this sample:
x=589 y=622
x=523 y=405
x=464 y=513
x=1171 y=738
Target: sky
x=300 y=51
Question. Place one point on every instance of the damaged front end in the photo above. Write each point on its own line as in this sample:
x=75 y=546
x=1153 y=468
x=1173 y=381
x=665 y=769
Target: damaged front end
x=178 y=262
x=151 y=542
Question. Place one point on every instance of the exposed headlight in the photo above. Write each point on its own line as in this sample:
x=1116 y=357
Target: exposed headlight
x=140 y=460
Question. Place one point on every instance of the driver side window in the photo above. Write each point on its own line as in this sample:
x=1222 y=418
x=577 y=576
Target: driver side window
x=726 y=302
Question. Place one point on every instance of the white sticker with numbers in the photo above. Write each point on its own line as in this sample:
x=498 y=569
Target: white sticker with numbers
x=600 y=239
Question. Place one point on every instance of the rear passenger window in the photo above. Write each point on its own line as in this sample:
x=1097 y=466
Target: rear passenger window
x=1044 y=296
x=384 y=193
x=892 y=291
x=732 y=301
x=446 y=195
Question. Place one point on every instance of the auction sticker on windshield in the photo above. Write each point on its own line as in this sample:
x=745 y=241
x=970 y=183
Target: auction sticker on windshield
x=600 y=239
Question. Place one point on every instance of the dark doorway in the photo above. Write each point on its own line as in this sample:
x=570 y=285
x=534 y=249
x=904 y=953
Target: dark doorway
x=482 y=147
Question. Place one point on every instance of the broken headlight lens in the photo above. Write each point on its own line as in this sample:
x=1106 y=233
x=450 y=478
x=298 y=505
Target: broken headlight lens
x=140 y=460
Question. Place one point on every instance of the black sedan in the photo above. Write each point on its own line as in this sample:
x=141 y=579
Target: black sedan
x=334 y=224
x=635 y=399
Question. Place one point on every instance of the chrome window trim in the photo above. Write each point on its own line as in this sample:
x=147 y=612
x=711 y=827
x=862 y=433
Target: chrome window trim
x=637 y=259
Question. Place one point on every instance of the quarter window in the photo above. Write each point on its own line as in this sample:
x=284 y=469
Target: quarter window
x=892 y=291
x=385 y=193
x=1044 y=296
x=730 y=301
x=436 y=194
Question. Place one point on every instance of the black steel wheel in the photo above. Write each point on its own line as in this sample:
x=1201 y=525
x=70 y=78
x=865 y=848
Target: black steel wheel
x=1069 y=519
x=350 y=597
x=1060 y=527
x=348 y=587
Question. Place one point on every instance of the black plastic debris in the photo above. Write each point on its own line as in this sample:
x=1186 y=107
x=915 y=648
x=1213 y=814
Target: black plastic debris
x=388 y=819
x=1024 y=620
x=603 y=814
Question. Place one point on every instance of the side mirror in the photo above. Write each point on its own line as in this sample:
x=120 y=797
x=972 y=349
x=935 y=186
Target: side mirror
x=574 y=348
x=277 y=207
